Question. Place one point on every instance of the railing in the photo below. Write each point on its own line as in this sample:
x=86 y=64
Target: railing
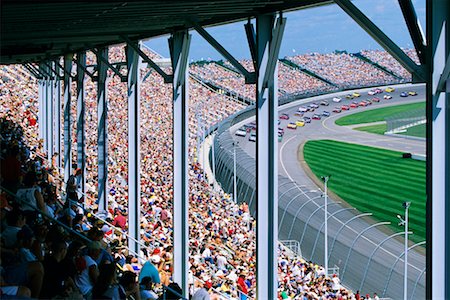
x=333 y=271
x=293 y=245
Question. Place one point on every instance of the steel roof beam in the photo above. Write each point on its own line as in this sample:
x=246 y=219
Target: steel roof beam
x=379 y=36
x=250 y=77
x=415 y=30
x=167 y=78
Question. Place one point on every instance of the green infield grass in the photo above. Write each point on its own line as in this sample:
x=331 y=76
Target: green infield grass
x=419 y=131
x=378 y=129
x=372 y=180
x=378 y=114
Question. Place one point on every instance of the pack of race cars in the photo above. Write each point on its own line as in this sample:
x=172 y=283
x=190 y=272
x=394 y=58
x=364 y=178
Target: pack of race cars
x=299 y=118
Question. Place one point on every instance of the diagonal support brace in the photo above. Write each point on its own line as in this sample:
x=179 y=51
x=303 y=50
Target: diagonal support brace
x=113 y=68
x=43 y=71
x=415 y=30
x=379 y=36
x=93 y=77
x=250 y=77
x=251 y=38
x=444 y=80
x=58 y=76
x=33 y=71
x=66 y=72
x=167 y=78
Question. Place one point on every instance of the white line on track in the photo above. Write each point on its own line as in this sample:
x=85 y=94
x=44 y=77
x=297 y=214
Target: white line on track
x=282 y=161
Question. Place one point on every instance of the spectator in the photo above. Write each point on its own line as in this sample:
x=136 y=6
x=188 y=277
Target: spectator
x=203 y=292
x=106 y=286
x=87 y=270
x=146 y=288
x=57 y=280
x=128 y=286
x=149 y=270
x=173 y=292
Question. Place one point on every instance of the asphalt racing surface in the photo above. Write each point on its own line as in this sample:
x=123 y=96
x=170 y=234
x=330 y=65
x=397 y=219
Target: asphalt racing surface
x=368 y=255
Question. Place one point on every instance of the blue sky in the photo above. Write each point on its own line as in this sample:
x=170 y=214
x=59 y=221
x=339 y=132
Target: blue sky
x=321 y=29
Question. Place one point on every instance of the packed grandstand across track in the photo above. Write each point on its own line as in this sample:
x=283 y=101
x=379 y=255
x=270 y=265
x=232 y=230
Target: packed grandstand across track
x=222 y=233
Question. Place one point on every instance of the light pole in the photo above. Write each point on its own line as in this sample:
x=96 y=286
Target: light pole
x=404 y=222
x=234 y=172
x=325 y=180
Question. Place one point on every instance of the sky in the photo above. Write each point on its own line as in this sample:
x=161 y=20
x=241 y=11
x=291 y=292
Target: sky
x=319 y=29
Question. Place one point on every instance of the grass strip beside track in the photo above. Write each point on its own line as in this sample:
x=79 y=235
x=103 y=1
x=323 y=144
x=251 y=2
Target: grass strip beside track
x=372 y=180
x=419 y=131
x=379 y=114
x=378 y=129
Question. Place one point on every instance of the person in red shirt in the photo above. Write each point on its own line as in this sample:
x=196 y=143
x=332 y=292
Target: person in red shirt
x=242 y=287
x=120 y=221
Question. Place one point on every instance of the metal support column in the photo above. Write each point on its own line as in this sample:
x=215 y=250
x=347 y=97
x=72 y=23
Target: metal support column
x=81 y=130
x=102 y=138
x=46 y=95
x=67 y=125
x=50 y=100
x=134 y=149
x=41 y=105
x=268 y=41
x=57 y=117
x=179 y=51
x=438 y=145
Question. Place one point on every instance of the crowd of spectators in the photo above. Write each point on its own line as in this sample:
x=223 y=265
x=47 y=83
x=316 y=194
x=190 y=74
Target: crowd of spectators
x=224 y=78
x=345 y=70
x=386 y=60
x=292 y=81
x=222 y=236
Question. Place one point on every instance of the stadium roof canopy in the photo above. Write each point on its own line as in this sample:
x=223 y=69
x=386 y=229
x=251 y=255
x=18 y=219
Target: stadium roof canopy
x=32 y=30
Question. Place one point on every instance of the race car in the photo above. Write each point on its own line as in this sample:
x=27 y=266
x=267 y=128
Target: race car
x=303 y=109
x=292 y=125
x=354 y=104
x=337 y=99
x=337 y=110
x=324 y=103
x=390 y=89
x=403 y=94
x=284 y=116
x=300 y=123
x=326 y=113
x=356 y=94
x=375 y=99
x=345 y=107
x=378 y=91
x=387 y=97
x=412 y=93
x=241 y=131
